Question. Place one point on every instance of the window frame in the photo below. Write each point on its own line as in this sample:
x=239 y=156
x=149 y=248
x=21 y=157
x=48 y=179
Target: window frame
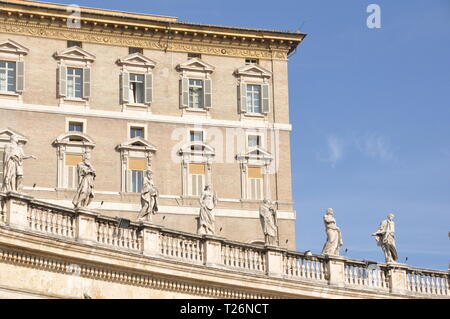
x=76 y=120
x=7 y=76
x=201 y=94
x=252 y=94
x=131 y=92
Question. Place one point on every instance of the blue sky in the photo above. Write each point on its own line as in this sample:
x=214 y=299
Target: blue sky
x=370 y=110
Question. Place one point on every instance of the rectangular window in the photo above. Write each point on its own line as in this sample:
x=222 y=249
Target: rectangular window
x=132 y=50
x=196 y=136
x=253 y=98
x=137 y=88
x=251 y=61
x=7 y=76
x=196 y=99
x=71 y=43
x=196 y=179
x=75 y=127
x=70 y=170
x=75 y=83
x=135 y=174
x=194 y=55
x=254 y=141
x=255 y=183
x=136 y=131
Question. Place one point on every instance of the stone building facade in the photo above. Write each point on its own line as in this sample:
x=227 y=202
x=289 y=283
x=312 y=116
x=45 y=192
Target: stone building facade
x=198 y=104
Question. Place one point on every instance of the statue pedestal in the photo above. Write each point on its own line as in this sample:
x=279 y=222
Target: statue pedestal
x=336 y=270
x=274 y=260
x=212 y=252
x=397 y=277
x=150 y=238
x=86 y=224
x=16 y=209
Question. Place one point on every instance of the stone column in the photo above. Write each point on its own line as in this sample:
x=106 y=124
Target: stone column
x=16 y=210
x=150 y=239
x=397 y=278
x=274 y=261
x=212 y=251
x=86 y=227
x=336 y=270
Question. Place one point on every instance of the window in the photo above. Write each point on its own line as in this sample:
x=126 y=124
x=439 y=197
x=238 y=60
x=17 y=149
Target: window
x=133 y=50
x=196 y=136
x=196 y=179
x=7 y=76
x=196 y=94
x=135 y=174
x=251 y=61
x=136 y=131
x=254 y=141
x=194 y=55
x=75 y=127
x=255 y=183
x=137 y=88
x=71 y=43
x=70 y=170
x=253 y=98
x=75 y=83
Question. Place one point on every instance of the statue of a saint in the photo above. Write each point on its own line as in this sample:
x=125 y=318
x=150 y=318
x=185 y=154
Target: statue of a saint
x=13 y=166
x=86 y=178
x=385 y=238
x=149 y=198
x=269 y=222
x=334 y=235
x=206 y=222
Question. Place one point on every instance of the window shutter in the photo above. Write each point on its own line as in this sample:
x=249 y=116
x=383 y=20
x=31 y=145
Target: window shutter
x=86 y=83
x=208 y=94
x=125 y=87
x=148 y=88
x=184 y=93
x=129 y=181
x=62 y=81
x=20 y=76
x=265 y=98
x=243 y=97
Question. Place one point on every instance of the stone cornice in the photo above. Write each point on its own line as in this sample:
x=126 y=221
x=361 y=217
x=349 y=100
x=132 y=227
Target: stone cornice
x=16 y=17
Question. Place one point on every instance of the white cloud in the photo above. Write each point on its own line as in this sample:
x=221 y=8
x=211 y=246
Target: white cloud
x=375 y=146
x=335 y=151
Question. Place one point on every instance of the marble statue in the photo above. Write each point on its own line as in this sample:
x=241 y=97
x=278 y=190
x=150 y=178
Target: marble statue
x=386 y=239
x=208 y=201
x=13 y=166
x=269 y=222
x=149 y=198
x=334 y=235
x=86 y=178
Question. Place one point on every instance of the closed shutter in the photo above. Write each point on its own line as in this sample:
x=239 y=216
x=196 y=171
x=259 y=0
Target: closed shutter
x=86 y=83
x=62 y=78
x=255 y=182
x=70 y=170
x=20 y=77
x=129 y=181
x=148 y=88
x=243 y=97
x=125 y=87
x=184 y=93
x=265 y=99
x=208 y=94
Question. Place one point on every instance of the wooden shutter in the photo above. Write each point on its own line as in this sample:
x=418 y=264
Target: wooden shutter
x=208 y=94
x=125 y=87
x=20 y=76
x=62 y=78
x=265 y=98
x=86 y=83
x=148 y=88
x=184 y=93
x=128 y=181
x=137 y=164
x=243 y=97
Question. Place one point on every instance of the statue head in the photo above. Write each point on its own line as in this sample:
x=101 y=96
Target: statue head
x=330 y=211
x=87 y=157
x=14 y=139
x=149 y=173
x=207 y=187
x=391 y=217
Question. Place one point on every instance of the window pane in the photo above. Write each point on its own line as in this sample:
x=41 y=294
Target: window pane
x=136 y=131
x=7 y=76
x=75 y=82
x=254 y=140
x=75 y=127
x=196 y=93
x=137 y=181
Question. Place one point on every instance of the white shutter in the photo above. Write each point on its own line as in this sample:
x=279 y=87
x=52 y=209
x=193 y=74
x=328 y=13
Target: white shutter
x=148 y=88
x=208 y=94
x=20 y=76
x=129 y=181
x=86 y=83
x=184 y=93
x=243 y=97
x=125 y=87
x=62 y=77
x=265 y=98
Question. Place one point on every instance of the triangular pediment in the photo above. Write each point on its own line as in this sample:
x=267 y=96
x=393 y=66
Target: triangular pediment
x=138 y=143
x=137 y=59
x=11 y=46
x=75 y=53
x=253 y=70
x=196 y=64
x=256 y=153
x=5 y=136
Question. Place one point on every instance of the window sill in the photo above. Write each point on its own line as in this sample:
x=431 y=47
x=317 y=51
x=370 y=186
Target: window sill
x=252 y=201
x=7 y=93
x=195 y=110
x=137 y=105
x=255 y=115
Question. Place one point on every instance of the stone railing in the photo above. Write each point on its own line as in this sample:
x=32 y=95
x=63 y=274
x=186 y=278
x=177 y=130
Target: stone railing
x=152 y=241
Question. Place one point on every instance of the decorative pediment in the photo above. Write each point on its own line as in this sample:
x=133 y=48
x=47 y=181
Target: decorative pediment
x=75 y=139
x=74 y=53
x=253 y=70
x=5 y=136
x=10 y=46
x=137 y=59
x=138 y=144
x=197 y=148
x=255 y=153
x=196 y=65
